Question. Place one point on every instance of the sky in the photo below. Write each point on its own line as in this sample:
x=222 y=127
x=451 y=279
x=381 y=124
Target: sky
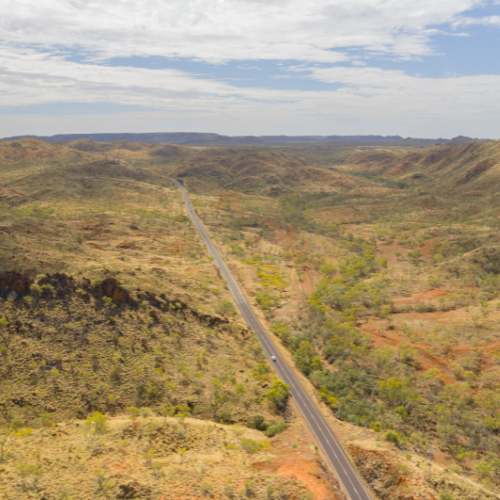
x=426 y=68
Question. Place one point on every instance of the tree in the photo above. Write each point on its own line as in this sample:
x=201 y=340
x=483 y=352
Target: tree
x=166 y=410
x=279 y=394
x=398 y=391
x=266 y=301
x=328 y=269
x=97 y=422
x=489 y=468
x=282 y=331
x=303 y=357
x=316 y=364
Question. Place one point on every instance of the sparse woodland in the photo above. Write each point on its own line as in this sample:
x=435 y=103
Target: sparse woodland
x=126 y=371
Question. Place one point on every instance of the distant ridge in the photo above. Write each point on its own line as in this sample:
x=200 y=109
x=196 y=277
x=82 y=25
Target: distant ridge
x=202 y=139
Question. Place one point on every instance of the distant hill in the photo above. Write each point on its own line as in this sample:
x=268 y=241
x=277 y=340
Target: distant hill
x=257 y=171
x=201 y=139
x=454 y=168
x=357 y=139
x=35 y=151
x=170 y=138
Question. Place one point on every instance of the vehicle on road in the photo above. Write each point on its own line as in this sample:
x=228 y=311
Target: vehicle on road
x=273 y=358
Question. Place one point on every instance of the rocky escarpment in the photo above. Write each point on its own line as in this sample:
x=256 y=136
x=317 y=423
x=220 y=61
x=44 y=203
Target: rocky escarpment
x=15 y=285
x=392 y=478
x=69 y=347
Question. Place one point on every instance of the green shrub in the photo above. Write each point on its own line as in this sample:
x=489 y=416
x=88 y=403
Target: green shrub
x=328 y=269
x=266 y=301
x=279 y=394
x=48 y=290
x=226 y=308
x=206 y=488
x=304 y=356
x=132 y=411
x=259 y=423
x=46 y=419
x=97 y=422
x=282 y=331
x=393 y=437
x=487 y=467
x=445 y=495
x=29 y=471
x=16 y=424
x=35 y=289
x=250 y=445
x=272 y=430
x=145 y=412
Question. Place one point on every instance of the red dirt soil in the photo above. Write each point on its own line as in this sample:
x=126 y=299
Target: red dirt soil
x=301 y=463
x=426 y=360
x=420 y=297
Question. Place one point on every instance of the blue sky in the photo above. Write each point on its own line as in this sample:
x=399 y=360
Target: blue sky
x=251 y=67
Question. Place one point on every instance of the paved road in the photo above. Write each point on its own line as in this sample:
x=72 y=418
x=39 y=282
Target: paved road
x=345 y=471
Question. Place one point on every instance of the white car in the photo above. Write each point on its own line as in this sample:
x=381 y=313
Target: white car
x=273 y=358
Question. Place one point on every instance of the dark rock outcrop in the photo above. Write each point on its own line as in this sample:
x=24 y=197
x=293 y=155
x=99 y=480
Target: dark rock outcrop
x=133 y=490
x=60 y=285
x=14 y=284
x=110 y=287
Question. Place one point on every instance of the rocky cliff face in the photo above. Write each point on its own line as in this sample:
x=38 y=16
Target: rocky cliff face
x=391 y=477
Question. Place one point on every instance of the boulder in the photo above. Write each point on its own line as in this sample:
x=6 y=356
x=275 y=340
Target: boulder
x=14 y=284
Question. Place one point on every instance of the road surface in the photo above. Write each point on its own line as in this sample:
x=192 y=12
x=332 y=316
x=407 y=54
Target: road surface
x=336 y=455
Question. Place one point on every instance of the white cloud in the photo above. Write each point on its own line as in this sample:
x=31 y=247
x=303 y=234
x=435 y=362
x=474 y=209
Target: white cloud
x=475 y=21
x=29 y=77
x=370 y=100
x=224 y=30
x=36 y=37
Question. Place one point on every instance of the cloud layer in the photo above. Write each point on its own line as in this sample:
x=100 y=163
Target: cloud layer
x=223 y=30
x=54 y=51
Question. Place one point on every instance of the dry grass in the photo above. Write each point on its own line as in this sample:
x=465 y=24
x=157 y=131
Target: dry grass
x=150 y=457
x=107 y=210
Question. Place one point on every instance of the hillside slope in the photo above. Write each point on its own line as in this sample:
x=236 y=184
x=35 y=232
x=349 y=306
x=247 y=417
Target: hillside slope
x=252 y=171
x=375 y=269
x=454 y=169
x=115 y=327
x=35 y=151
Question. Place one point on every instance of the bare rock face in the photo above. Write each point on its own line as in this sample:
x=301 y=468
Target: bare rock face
x=14 y=284
x=133 y=490
x=382 y=473
x=110 y=287
x=59 y=285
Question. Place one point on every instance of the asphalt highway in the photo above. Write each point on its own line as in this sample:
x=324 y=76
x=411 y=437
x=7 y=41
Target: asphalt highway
x=336 y=455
